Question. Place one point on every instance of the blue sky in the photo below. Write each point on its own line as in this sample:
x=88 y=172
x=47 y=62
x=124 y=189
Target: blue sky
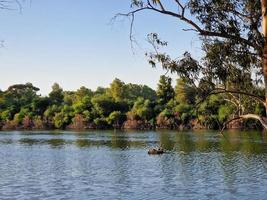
x=75 y=44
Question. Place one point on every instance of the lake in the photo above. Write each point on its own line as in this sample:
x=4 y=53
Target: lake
x=115 y=165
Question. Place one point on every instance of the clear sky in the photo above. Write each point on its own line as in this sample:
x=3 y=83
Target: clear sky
x=75 y=44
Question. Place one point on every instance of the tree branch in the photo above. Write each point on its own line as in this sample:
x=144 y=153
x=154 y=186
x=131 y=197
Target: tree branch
x=247 y=116
x=194 y=25
x=222 y=90
x=130 y=15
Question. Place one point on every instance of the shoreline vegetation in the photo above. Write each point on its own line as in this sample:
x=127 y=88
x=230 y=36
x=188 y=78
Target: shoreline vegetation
x=124 y=106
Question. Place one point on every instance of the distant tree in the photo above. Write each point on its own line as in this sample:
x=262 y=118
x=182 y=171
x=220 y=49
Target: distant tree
x=64 y=117
x=100 y=90
x=117 y=90
x=142 y=109
x=165 y=91
x=83 y=92
x=20 y=96
x=104 y=105
x=39 y=105
x=134 y=91
x=49 y=114
x=59 y=120
x=184 y=92
x=56 y=95
x=211 y=112
x=69 y=97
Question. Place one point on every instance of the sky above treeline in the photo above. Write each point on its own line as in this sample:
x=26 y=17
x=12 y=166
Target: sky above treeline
x=76 y=43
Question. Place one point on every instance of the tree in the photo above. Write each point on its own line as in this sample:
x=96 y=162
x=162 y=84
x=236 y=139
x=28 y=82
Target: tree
x=56 y=95
x=134 y=91
x=232 y=27
x=142 y=109
x=103 y=105
x=63 y=118
x=116 y=119
x=83 y=92
x=39 y=105
x=100 y=90
x=19 y=96
x=117 y=90
x=184 y=93
x=165 y=90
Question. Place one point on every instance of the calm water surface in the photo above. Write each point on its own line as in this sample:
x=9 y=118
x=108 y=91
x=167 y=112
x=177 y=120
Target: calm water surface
x=115 y=165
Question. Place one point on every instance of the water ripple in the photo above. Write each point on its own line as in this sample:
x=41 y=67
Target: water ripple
x=115 y=165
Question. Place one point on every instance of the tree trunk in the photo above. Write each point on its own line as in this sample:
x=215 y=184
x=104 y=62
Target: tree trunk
x=264 y=55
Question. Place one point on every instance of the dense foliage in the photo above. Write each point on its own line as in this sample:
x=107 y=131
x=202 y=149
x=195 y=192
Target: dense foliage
x=120 y=106
x=234 y=46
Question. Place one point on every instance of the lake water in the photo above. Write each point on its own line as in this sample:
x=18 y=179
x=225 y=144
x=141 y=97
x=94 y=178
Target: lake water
x=115 y=165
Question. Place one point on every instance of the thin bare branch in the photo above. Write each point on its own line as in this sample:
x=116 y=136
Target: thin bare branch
x=181 y=7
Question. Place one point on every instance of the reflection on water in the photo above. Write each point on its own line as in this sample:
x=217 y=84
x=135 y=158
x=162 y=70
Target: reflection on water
x=246 y=142
x=115 y=165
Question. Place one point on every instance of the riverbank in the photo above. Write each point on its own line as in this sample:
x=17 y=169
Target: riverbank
x=136 y=126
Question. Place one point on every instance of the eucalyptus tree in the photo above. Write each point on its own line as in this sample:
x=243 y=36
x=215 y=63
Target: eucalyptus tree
x=235 y=49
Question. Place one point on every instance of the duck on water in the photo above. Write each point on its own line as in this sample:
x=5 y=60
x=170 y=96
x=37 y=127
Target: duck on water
x=154 y=151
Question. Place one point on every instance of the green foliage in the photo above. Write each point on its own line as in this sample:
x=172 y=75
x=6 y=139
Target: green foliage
x=208 y=111
x=51 y=110
x=184 y=93
x=83 y=92
x=6 y=115
x=142 y=109
x=104 y=105
x=184 y=112
x=19 y=95
x=56 y=95
x=117 y=90
x=59 y=120
x=260 y=109
x=225 y=111
x=100 y=123
x=39 y=105
x=131 y=104
x=165 y=91
x=100 y=90
x=64 y=117
x=135 y=91
x=116 y=119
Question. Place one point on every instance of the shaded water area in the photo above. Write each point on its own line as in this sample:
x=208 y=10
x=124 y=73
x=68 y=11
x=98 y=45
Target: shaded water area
x=115 y=165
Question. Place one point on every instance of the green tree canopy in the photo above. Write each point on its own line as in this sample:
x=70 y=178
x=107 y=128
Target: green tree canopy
x=165 y=91
x=56 y=95
x=117 y=90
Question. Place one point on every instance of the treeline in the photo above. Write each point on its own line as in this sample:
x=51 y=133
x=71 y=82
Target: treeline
x=128 y=106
